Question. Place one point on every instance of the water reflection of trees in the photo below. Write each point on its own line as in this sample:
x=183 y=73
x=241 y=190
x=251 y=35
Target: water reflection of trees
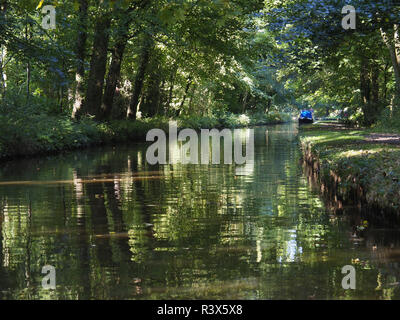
x=115 y=227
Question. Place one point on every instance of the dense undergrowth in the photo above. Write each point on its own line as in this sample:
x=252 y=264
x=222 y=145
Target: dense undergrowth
x=347 y=160
x=36 y=133
x=389 y=122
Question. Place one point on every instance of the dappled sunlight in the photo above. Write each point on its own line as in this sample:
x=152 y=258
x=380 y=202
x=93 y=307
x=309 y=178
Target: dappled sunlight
x=154 y=231
x=205 y=149
x=358 y=153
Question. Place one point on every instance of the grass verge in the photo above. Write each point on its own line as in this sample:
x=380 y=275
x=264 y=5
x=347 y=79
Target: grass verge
x=352 y=164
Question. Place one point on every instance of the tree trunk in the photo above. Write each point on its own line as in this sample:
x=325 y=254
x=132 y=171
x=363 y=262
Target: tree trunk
x=163 y=98
x=28 y=67
x=98 y=66
x=375 y=83
x=3 y=52
x=369 y=85
x=153 y=91
x=171 y=90
x=394 y=51
x=244 y=102
x=365 y=81
x=385 y=80
x=139 y=79
x=191 y=97
x=80 y=56
x=185 y=95
x=114 y=72
x=268 y=106
x=3 y=75
x=113 y=76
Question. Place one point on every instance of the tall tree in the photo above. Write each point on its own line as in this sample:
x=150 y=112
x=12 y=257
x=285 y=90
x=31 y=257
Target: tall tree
x=3 y=49
x=118 y=50
x=98 y=63
x=140 y=75
x=80 y=56
x=393 y=46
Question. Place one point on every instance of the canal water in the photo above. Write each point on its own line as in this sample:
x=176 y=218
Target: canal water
x=115 y=227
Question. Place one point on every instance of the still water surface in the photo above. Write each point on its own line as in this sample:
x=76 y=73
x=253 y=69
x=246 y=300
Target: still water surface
x=115 y=227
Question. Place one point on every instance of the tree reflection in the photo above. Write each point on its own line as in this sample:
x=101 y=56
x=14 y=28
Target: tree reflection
x=115 y=227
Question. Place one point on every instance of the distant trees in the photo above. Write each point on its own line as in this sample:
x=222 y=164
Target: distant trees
x=332 y=65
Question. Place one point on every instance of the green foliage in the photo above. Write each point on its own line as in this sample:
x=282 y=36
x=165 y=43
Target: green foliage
x=198 y=122
x=39 y=132
x=321 y=63
x=389 y=121
x=271 y=117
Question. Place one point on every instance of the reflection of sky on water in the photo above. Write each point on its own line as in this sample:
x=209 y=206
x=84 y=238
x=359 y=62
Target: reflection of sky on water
x=267 y=209
x=292 y=250
x=181 y=151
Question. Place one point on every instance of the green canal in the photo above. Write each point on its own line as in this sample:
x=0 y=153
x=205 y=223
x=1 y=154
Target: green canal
x=115 y=227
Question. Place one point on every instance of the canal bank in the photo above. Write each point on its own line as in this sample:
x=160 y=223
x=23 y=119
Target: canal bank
x=354 y=166
x=44 y=134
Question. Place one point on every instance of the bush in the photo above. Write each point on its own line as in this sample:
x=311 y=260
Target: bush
x=389 y=121
x=39 y=132
x=270 y=118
